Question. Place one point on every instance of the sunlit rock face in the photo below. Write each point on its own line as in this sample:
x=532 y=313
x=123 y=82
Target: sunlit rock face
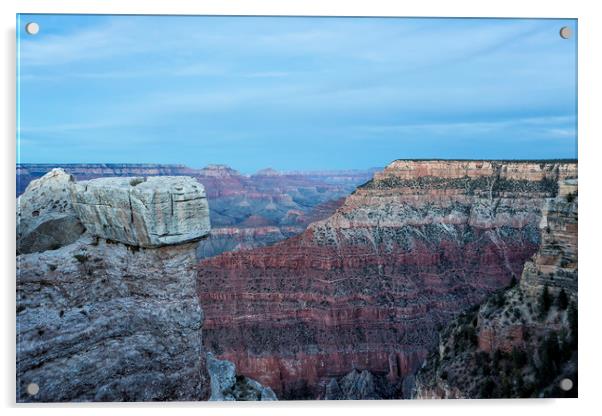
x=144 y=212
x=369 y=287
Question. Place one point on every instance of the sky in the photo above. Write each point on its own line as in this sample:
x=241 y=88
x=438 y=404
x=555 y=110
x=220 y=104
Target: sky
x=293 y=93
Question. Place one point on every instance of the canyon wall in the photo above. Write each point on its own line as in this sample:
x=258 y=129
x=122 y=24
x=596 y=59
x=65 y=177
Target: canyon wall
x=521 y=342
x=113 y=316
x=370 y=287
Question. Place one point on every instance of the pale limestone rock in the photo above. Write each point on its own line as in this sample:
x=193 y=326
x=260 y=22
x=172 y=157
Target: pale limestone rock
x=227 y=386
x=144 y=212
x=223 y=377
x=45 y=216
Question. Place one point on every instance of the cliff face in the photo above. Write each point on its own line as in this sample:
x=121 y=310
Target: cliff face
x=521 y=342
x=369 y=287
x=555 y=263
x=105 y=322
x=101 y=320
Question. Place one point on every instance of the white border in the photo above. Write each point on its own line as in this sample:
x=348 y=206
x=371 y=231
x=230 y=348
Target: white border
x=590 y=136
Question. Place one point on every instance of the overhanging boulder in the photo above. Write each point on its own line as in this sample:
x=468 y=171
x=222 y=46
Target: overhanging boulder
x=144 y=212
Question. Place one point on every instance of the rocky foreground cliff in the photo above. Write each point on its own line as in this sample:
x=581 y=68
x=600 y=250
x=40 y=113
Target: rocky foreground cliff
x=355 y=303
x=522 y=342
x=107 y=306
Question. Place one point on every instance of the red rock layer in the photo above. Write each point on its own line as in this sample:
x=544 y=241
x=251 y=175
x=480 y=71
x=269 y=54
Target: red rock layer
x=369 y=287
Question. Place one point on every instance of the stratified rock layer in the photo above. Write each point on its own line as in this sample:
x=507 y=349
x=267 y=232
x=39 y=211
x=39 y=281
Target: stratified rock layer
x=522 y=341
x=45 y=216
x=369 y=287
x=145 y=212
x=555 y=263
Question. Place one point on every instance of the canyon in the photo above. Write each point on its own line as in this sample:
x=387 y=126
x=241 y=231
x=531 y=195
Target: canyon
x=411 y=286
x=370 y=287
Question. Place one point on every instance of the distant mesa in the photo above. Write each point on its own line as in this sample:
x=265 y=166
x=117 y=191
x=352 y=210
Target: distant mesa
x=268 y=172
x=256 y=221
x=218 y=171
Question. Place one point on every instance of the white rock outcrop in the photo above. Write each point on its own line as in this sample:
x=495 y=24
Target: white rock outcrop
x=227 y=386
x=144 y=212
x=45 y=216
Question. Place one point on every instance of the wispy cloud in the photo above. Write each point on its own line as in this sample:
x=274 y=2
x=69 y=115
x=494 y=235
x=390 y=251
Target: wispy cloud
x=277 y=84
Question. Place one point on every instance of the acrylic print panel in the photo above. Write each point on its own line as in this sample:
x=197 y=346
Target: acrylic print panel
x=279 y=208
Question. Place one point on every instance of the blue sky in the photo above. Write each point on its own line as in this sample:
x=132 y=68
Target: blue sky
x=293 y=93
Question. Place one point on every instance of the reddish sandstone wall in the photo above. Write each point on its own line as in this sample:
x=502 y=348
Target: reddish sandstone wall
x=370 y=286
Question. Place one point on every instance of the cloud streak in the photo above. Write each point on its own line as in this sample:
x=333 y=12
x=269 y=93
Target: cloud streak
x=271 y=87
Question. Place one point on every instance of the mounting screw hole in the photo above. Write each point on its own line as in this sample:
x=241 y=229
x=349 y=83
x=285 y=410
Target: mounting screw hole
x=565 y=32
x=32 y=28
x=33 y=389
x=566 y=384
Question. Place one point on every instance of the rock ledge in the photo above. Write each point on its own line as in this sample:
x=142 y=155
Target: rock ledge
x=144 y=212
